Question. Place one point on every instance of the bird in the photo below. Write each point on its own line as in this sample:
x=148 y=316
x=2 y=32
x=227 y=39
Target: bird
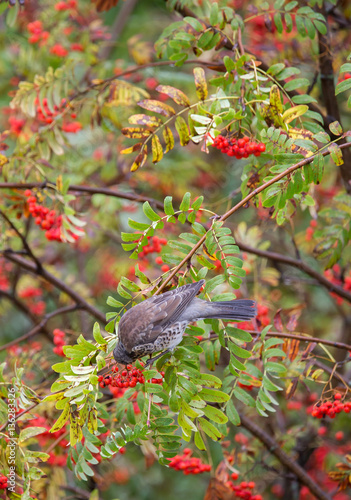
x=158 y=323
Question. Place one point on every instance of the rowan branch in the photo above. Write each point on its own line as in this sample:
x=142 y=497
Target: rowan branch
x=284 y=259
x=84 y=189
x=301 y=337
x=23 y=239
x=40 y=326
x=50 y=278
x=275 y=449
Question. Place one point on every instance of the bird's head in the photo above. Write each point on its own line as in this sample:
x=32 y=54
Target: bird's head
x=121 y=355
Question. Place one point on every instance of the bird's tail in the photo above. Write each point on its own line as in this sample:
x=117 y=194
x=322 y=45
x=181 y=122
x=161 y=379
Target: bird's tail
x=236 y=310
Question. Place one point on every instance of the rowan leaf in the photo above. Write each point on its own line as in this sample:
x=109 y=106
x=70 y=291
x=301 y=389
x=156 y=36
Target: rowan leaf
x=177 y=95
x=200 y=83
x=168 y=138
x=156 y=148
x=183 y=131
x=136 y=132
x=157 y=107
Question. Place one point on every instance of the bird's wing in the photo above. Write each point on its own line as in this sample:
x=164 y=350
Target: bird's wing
x=146 y=321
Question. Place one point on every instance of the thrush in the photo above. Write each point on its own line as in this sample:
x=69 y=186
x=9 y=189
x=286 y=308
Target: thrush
x=158 y=323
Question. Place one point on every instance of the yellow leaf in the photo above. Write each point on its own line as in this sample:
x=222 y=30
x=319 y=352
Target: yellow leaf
x=157 y=107
x=183 y=131
x=290 y=114
x=157 y=152
x=200 y=83
x=177 y=95
x=168 y=138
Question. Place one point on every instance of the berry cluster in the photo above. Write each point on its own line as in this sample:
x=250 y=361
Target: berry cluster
x=3 y=482
x=47 y=219
x=62 y=6
x=32 y=296
x=46 y=116
x=331 y=408
x=128 y=377
x=58 y=50
x=154 y=245
x=336 y=276
x=188 y=464
x=71 y=127
x=16 y=125
x=244 y=489
x=59 y=341
x=240 y=148
x=43 y=113
x=310 y=230
x=37 y=34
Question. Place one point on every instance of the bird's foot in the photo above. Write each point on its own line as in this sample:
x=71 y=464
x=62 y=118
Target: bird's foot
x=150 y=361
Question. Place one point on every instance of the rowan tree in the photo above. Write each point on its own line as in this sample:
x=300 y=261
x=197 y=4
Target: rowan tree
x=144 y=146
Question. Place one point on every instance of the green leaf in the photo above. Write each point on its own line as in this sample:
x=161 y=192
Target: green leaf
x=244 y=397
x=97 y=335
x=168 y=207
x=213 y=396
x=210 y=429
x=30 y=432
x=185 y=204
x=194 y=23
x=199 y=443
x=214 y=18
x=239 y=351
x=215 y=414
x=232 y=413
x=149 y=212
x=239 y=334
x=296 y=84
x=111 y=301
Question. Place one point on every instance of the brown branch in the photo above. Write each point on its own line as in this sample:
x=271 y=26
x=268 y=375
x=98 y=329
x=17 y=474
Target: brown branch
x=40 y=326
x=56 y=442
x=241 y=203
x=301 y=337
x=275 y=449
x=329 y=97
x=84 y=189
x=284 y=259
x=33 y=405
x=22 y=238
x=80 y=301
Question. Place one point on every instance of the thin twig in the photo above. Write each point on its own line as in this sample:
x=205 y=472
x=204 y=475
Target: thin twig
x=80 y=301
x=138 y=198
x=284 y=259
x=39 y=326
x=302 y=338
x=23 y=239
